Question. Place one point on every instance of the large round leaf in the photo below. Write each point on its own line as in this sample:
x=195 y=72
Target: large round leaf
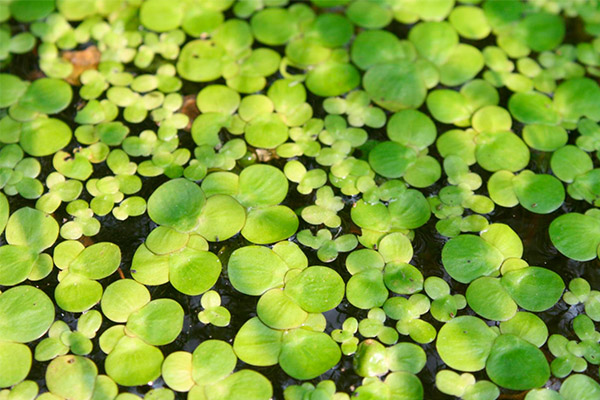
x=32 y=228
x=468 y=257
x=212 y=361
x=44 y=136
x=221 y=218
x=517 y=364
x=25 y=314
x=395 y=86
x=15 y=363
x=16 y=263
x=270 y=224
x=161 y=15
x=76 y=293
x=123 y=297
x=253 y=270
x=316 y=289
x=306 y=354
x=409 y=210
x=243 y=385
x=278 y=311
x=464 y=343
x=193 y=272
x=391 y=159
x=257 y=344
x=539 y=193
x=176 y=204
x=367 y=289
x=158 y=322
x=12 y=86
x=488 y=298
x=133 y=362
x=580 y=387
x=501 y=151
x=97 y=261
x=262 y=185
x=576 y=235
x=71 y=377
x=47 y=96
x=332 y=79
x=534 y=288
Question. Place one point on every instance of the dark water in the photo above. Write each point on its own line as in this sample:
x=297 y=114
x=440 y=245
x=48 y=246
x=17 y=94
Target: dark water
x=129 y=234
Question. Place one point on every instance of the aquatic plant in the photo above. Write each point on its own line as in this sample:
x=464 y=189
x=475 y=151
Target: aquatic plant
x=227 y=200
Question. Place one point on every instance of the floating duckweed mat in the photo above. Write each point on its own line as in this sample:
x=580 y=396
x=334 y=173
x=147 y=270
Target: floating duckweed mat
x=324 y=200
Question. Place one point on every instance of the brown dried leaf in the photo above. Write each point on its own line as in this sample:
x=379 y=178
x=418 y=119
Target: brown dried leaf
x=190 y=109
x=265 y=155
x=81 y=60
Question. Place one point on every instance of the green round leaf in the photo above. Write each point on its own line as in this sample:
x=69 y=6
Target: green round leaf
x=403 y=278
x=527 y=326
x=501 y=151
x=257 y=344
x=278 y=311
x=579 y=387
x=25 y=314
x=212 y=361
x=123 y=297
x=245 y=384
x=543 y=31
x=16 y=263
x=464 y=343
x=176 y=204
x=532 y=108
x=270 y=224
x=158 y=322
x=12 y=86
x=253 y=270
x=306 y=354
x=193 y=272
x=266 y=131
x=391 y=159
x=517 y=364
x=161 y=15
x=534 y=288
x=273 y=26
x=200 y=61
x=71 y=377
x=76 y=293
x=367 y=289
x=97 y=261
x=434 y=41
x=488 y=298
x=262 y=185
x=411 y=128
x=578 y=97
x=395 y=86
x=15 y=363
x=47 y=96
x=575 y=235
x=332 y=79
x=316 y=289
x=32 y=228
x=133 y=362
x=468 y=257
x=409 y=210
x=374 y=47
x=539 y=193
x=44 y=136
x=369 y=14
